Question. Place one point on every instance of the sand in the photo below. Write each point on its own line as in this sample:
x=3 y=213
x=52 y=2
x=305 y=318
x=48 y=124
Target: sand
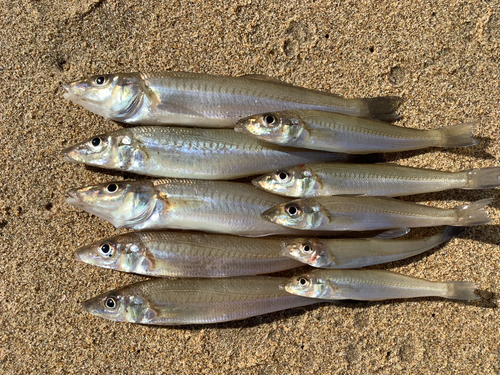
x=441 y=56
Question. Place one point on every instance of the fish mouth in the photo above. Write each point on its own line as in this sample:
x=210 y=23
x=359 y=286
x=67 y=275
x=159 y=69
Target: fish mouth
x=66 y=155
x=89 y=306
x=257 y=182
x=283 y=285
x=72 y=197
x=82 y=255
x=269 y=215
x=239 y=128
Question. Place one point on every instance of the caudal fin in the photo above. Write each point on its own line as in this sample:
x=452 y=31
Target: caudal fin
x=483 y=178
x=461 y=290
x=473 y=213
x=383 y=108
x=458 y=135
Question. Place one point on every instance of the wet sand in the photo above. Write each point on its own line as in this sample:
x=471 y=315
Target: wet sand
x=442 y=57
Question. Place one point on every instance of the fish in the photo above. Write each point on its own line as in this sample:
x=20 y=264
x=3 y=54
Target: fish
x=356 y=253
x=181 y=254
x=381 y=179
x=334 y=132
x=339 y=213
x=203 y=100
x=194 y=301
x=374 y=285
x=210 y=206
x=163 y=151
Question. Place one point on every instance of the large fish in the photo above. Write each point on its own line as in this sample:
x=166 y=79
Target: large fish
x=204 y=100
x=374 y=285
x=324 y=179
x=211 y=206
x=369 y=213
x=180 y=254
x=163 y=151
x=319 y=130
x=194 y=301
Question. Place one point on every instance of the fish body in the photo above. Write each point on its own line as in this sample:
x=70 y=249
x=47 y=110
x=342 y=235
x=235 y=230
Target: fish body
x=181 y=254
x=211 y=206
x=370 y=213
x=325 y=179
x=194 y=301
x=319 y=130
x=373 y=285
x=356 y=253
x=163 y=151
x=204 y=100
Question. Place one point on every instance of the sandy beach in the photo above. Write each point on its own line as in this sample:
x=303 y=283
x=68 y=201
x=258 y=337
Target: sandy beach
x=442 y=57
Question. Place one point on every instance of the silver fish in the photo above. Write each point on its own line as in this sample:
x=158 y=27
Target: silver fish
x=194 y=301
x=374 y=285
x=356 y=253
x=212 y=206
x=325 y=179
x=368 y=213
x=178 y=254
x=189 y=153
x=319 y=130
x=204 y=100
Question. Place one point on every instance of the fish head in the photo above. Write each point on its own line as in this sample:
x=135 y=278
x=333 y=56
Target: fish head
x=122 y=203
x=113 y=96
x=299 y=214
x=298 y=181
x=278 y=127
x=121 y=253
x=120 y=305
x=311 y=251
x=306 y=285
x=116 y=150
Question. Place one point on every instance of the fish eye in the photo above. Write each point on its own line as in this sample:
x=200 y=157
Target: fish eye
x=112 y=188
x=303 y=281
x=99 y=80
x=270 y=120
x=110 y=303
x=306 y=247
x=96 y=141
x=292 y=210
x=106 y=250
x=282 y=176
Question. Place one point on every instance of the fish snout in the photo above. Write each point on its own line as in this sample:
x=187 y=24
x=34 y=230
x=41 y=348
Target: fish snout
x=72 y=197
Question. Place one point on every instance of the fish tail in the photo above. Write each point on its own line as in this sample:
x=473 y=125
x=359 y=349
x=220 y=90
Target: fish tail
x=382 y=108
x=461 y=290
x=457 y=135
x=483 y=178
x=473 y=213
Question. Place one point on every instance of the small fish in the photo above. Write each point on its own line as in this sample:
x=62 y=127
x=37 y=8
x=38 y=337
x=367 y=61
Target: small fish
x=204 y=100
x=374 y=285
x=162 y=151
x=369 y=213
x=325 y=179
x=180 y=254
x=194 y=301
x=357 y=253
x=319 y=130
x=211 y=206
